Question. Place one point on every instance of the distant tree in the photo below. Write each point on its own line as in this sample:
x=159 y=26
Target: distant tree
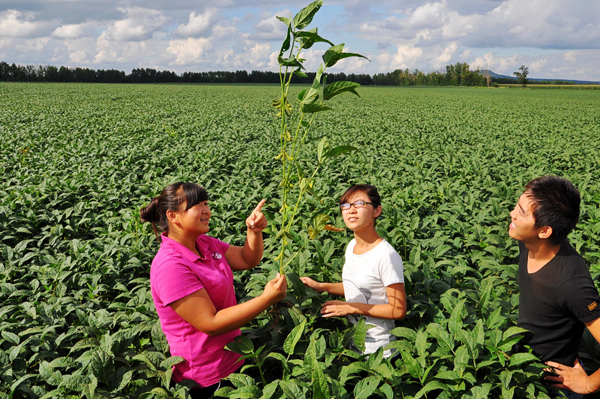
x=521 y=75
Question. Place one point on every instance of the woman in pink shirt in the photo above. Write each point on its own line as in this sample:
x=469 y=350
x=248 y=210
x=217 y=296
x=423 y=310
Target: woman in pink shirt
x=192 y=284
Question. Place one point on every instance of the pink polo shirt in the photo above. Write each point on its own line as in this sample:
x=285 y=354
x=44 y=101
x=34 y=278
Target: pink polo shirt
x=177 y=272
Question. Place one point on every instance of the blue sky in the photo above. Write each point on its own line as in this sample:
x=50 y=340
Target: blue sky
x=555 y=38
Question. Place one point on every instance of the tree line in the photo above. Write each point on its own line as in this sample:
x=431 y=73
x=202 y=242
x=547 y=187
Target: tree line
x=459 y=74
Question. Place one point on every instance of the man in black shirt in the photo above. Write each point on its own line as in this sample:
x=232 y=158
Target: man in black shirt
x=557 y=297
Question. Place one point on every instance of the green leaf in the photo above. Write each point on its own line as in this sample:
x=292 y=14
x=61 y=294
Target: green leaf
x=413 y=366
x=336 y=88
x=298 y=72
x=159 y=340
x=313 y=93
x=403 y=332
x=15 y=385
x=505 y=378
x=101 y=365
x=51 y=376
x=240 y=380
x=85 y=343
x=269 y=389
x=468 y=339
x=301 y=95
x=297 y=284
x=319 y=382
x=171 y=361
x=322 y=149
x=342 y=149
x=520 y=358
x=421 y=343
x=365 y=388
x=285 y=20
x=293 y=337
x=461 y=360
x=126 y=379
x=335 y=53
x=311 y=37
x=11 y=337
x=444 y=339
x=513 y=331
x=360 y=333
x=481 y=391
x=246 y=392
x=285 y=46
x=455 y=322
x=291 y=390
x=75 y=382
x=305 y=16
x=507 y=344
x=386 y=390
x=314 y=107
x=290 y=62
x=431 y=386
x=241 y=345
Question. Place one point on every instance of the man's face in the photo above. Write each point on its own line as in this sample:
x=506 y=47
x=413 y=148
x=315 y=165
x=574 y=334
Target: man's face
x=522 y=221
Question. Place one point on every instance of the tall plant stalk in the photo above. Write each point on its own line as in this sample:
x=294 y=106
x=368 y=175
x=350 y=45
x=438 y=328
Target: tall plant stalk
x=301 y=117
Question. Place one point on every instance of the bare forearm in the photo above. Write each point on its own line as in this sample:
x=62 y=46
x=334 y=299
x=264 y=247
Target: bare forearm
x=383 y=311
x=333 y=288
x=253 y=248
x=234 y=317
x=592 y=382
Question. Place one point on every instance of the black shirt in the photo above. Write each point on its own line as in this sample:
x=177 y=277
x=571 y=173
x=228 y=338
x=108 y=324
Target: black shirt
x=554 y=304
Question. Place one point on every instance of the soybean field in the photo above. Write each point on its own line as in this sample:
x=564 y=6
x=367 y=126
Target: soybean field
x=78 y=161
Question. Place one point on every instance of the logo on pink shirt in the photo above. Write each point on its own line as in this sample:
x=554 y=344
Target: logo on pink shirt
x=216 y=255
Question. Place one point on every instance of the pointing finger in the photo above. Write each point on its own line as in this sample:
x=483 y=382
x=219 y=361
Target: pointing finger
x=259 y=206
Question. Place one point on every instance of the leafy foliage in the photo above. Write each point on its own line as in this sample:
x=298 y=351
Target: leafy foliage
x=294 y=181
x=79 y=161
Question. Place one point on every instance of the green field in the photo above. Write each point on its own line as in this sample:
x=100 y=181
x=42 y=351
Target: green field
x=78 y=161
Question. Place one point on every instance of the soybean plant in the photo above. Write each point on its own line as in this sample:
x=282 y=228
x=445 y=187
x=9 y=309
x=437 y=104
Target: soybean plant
x=296 y=121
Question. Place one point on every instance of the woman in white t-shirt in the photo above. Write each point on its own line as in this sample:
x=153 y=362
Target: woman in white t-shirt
x=373 y=280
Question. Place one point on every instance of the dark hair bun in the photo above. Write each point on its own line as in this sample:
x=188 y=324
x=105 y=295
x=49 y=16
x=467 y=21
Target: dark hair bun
x=150 y=213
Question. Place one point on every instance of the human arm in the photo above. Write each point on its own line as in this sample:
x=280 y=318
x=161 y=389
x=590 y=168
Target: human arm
x=575 y=378
x=248 y=256
x=331 y=288
x=394 y=309
x=199 y=310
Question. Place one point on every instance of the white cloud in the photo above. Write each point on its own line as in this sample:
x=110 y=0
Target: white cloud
x=538 y=65
x=570 y=56
x=406 y=57
x=138 y=25
x=271 y=28
x=74 y=31
x=14 y=23
x=429 y=15
x=446 y=57
x=199 y=24
x=30 y=45
x=189 y=51
x=497 y=64
x=110 y=51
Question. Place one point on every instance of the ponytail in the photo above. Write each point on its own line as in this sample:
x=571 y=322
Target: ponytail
x=151 y=214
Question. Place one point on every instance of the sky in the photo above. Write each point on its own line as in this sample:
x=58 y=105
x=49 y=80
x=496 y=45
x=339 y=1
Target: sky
x=557 y=39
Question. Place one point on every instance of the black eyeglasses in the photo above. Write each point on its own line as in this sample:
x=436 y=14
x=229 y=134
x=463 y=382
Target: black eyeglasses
x=356 y=204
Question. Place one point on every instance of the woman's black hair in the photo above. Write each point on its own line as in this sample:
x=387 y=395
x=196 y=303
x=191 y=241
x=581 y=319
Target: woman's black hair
x=171 y=199
x=369 y=190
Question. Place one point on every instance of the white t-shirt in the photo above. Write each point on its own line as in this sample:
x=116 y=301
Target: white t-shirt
x=365 y=278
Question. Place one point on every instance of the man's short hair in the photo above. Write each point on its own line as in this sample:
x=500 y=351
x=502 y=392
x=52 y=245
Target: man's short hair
x=555 y=202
